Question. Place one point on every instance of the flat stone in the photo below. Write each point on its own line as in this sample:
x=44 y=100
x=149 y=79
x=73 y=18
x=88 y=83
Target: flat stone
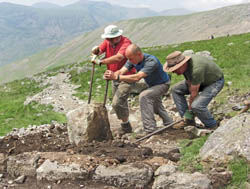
x=131 y=175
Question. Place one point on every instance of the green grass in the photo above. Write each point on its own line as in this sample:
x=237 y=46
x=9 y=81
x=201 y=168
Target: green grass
x=233 y=59
x=83 y=79
x=13 y=113
x=190 y=160
x=240 y=169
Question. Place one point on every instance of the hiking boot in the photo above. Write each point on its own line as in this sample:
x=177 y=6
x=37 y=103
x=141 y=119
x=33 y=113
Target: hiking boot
x=190 y=122
x=213 y=127
x=180 y=125
x=126 y=127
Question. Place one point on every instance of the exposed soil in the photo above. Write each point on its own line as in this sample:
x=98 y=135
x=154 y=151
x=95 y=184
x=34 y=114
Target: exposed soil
x=114 y=151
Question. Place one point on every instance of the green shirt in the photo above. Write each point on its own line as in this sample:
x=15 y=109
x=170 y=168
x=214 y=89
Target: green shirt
x=202 y=70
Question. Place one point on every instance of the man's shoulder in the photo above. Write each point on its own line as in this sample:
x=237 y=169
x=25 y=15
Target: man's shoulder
x=199 y=58
x=125 y=39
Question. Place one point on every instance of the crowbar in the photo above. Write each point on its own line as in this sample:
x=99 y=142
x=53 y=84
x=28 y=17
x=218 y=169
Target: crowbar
x=158 y=131
x=91 y=80
x=106 y=92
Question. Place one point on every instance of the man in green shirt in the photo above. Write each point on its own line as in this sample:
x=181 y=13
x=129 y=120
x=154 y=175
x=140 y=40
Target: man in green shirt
x=203 y=81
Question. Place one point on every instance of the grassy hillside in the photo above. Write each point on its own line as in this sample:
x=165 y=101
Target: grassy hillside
x=146 y=32
x=231 y=54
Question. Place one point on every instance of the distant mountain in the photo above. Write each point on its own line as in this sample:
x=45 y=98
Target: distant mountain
x=146 y=32
x=175 y=12
x=27 y=30
x=45 y=5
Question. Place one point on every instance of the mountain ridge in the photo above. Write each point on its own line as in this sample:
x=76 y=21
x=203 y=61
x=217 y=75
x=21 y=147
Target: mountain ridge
x=170 y=30
x=25 y=30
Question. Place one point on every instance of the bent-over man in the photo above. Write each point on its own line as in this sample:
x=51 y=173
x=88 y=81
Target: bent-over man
x=203 y=81
x=149 y=68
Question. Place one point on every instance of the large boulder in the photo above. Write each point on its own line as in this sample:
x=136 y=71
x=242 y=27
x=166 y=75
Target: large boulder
x=229 y=140
x=88 y=123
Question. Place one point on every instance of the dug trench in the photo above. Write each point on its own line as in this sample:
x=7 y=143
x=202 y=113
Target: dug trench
x=54 y=140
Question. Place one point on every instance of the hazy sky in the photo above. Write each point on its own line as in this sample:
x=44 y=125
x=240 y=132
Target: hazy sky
x=157 y=5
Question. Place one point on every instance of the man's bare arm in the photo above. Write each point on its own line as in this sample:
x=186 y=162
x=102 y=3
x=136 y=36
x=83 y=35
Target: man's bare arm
x=133 y=77
x=111 y=60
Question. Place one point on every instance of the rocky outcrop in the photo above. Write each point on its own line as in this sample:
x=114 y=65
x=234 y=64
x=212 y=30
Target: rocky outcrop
x=232 y=139
x=89 y=123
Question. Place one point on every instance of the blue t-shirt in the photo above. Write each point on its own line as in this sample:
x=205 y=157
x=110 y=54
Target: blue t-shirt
x=152 y=67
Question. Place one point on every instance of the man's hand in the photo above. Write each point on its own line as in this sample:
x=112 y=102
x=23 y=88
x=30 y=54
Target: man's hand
x=95 y=50
x=109 y=75
x=95 y=60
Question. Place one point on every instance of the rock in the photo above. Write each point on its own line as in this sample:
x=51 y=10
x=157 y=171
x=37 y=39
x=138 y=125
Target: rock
x=247 y=185
x=2 y=164
x=53 y=171
x=229 y=140
x=188 y=52
x=166 y=170
x=206 y=54
x=20 y=180
x=194 y=132
x=220 y=179
x=22 y=164
x=182 y=181
x=131 y=175
x=89 y=123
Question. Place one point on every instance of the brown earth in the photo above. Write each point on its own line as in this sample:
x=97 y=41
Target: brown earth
x=108 y=151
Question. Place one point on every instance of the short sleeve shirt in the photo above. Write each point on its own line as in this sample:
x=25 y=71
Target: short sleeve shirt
x=152 y=67
x=120 y=48
x=203 y=71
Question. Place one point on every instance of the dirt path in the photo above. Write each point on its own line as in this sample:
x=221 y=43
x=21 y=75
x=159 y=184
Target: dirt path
x=59 y=94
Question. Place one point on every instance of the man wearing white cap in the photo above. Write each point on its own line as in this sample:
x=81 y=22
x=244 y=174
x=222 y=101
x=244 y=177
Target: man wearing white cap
x=114 y=45
x=203 y=81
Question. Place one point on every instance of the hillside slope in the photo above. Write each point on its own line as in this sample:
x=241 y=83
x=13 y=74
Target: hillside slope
x=145 y=32
x=26 y=30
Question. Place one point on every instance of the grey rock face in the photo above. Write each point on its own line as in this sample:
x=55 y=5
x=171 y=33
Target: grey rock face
x=54 y=171
x=229 y=140
x=88 y=123
x=182 y=181
x=137 y=175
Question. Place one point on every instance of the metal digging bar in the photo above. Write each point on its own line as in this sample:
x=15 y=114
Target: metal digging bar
x=106 y=92
x=91 y=81
x=157 y=131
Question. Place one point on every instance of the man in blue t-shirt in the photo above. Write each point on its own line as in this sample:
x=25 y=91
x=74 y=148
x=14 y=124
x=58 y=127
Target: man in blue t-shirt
x=149 y=68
